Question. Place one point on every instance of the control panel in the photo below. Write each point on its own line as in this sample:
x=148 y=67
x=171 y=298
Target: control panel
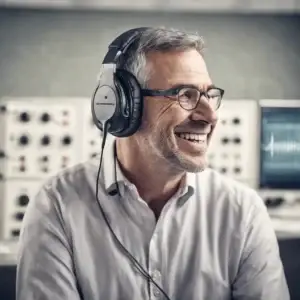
x=38 y=138
x=14 y=198
x=234 y=146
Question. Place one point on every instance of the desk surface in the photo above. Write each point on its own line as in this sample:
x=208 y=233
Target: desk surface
x=8 y=252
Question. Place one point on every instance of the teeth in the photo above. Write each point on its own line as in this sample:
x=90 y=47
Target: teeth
x=191 y=136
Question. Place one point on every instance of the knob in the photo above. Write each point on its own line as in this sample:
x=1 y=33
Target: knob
x=278 y=201
x=45 y=158
x=273 y=202
x=237 y=170
x=93 y=155
x=15 y=233
x=236 y=121
x=45 y=170
x=223 y=170
x=237 y=140
x=23 y=200
x=45 y=140
x=23 y=140
x=24 y=117
x=225 y=140
x=19 y=216
x=2 y=154
x=67 y=140
x=3 y=108
x=45 y=117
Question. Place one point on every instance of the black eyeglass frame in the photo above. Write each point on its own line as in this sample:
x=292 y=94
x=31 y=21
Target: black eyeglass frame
x=174 y=92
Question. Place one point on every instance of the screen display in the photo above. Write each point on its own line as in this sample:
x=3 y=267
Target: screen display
x=280 y=148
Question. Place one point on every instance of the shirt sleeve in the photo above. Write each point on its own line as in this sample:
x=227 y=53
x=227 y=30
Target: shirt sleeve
x=261 y=274
x=44 y=266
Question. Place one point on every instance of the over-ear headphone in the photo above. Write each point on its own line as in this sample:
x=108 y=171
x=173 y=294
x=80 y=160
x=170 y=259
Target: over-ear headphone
x=117 y=100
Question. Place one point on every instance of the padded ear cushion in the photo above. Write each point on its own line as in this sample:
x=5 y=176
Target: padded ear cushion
x=133 y=102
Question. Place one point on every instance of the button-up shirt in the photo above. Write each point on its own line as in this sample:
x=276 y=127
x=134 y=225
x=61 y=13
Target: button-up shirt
x=213 y=240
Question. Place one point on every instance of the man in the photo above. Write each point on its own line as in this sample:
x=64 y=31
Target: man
x=175 y=229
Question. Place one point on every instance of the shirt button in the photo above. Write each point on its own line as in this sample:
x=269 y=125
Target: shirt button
x=156 y=275
x=156 y=292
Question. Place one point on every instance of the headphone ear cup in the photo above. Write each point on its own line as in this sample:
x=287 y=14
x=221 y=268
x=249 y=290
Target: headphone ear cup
x=119 y=122
x=132 y=103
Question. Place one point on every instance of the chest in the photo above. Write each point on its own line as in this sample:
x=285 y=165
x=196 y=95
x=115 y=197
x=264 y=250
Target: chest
x=177 y=253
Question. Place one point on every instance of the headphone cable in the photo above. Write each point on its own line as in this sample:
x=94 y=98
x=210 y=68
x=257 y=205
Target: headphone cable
x=128 y=254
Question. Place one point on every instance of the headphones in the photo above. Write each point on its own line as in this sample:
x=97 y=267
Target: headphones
x=117 y=100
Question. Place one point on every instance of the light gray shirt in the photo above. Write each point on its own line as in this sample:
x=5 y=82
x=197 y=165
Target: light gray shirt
x=213 y=241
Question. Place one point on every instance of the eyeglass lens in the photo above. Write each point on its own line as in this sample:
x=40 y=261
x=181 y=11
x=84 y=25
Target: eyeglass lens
x=188 y=98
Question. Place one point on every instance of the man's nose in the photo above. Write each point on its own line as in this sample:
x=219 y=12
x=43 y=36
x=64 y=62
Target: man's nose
x=204 y=111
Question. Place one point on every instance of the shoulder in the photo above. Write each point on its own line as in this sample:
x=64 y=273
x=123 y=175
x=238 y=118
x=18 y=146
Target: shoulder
x=77 y=182
x=220 y=184
x=221 y=191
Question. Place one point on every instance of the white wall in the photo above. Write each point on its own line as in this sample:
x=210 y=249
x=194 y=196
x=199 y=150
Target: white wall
x=52 y=53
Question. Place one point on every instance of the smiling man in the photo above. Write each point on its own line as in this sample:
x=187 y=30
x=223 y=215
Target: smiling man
x=174 y=229
x=178 y=121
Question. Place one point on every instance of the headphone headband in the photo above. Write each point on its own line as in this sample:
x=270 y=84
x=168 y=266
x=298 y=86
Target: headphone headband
x=120 y=45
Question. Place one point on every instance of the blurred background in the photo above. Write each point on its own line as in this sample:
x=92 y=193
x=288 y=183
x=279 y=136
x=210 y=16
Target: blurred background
x=51 y=52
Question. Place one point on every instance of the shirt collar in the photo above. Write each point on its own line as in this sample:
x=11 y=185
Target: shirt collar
x=186 y=188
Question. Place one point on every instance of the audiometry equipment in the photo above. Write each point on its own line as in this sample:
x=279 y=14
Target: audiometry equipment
x=280 y=144
x=117 y=107
x=279 y=163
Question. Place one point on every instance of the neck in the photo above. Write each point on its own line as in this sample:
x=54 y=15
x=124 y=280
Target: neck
x=157 y=181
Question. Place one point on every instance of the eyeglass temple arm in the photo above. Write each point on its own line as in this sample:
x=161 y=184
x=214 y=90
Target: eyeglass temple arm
x=146 y=92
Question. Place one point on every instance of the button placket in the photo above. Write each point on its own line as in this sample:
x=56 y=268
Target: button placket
x=155 y=258
x=157 y=278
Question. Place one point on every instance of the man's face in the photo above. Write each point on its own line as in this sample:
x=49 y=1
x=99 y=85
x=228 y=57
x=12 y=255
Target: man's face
x=167 y=129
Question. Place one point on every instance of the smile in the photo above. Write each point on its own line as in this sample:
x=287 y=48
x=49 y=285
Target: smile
x=192 y=137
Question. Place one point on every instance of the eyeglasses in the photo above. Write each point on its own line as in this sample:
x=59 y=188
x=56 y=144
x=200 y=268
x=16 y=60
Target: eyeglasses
x=188 y=97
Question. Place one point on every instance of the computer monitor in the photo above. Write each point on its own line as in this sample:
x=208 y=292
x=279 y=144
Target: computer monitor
x=280 y=144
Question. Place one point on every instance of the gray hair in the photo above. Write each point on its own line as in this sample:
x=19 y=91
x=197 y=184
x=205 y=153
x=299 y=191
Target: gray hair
x=158 y=39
